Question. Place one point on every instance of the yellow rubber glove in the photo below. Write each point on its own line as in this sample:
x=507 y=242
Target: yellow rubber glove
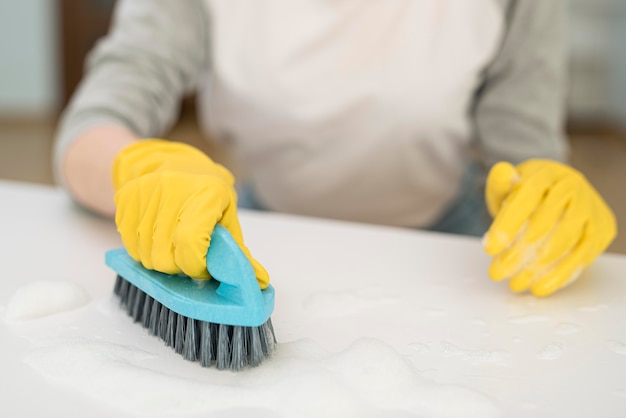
x=549 y=224
x=169 y=196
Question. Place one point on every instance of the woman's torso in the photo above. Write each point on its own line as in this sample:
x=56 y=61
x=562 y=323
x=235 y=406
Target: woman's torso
x=349 y=109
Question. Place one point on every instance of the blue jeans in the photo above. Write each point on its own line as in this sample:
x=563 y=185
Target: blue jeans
x=467 y=215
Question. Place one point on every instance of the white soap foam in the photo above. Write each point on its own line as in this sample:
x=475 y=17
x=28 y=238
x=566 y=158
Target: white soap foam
x=476 y=356
x=43 y=298
x=435 y=312
x=593 y=308
x=367 y=379
x=347 y=302
x=419 y=347
x=566 y=328
x=530 y=405
x=550 y=352
x=617 y=347
x=528 y=319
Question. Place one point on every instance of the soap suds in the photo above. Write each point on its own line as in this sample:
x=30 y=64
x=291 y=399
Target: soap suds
x=435 y=312
x=341 y=303
x=530 y=405
x=592 y=308
x=476 y=356
x=367 y=379
x=550 y=352
x=419 y=347
x=565 y=328
x=43 y=298
x=471 y=355
x=617 y=347
x=528 y=319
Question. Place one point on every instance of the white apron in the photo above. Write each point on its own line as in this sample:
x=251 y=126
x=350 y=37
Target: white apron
x=349 y=109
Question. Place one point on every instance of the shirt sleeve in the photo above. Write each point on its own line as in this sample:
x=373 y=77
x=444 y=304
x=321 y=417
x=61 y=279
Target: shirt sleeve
x=519 y=109
x=155 y=52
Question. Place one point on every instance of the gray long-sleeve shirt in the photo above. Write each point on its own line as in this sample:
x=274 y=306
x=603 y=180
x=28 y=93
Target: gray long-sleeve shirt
x=352 y=110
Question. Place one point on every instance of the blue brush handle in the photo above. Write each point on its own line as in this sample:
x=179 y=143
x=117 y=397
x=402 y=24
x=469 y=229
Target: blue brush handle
x=233 y=298
x=229 y=265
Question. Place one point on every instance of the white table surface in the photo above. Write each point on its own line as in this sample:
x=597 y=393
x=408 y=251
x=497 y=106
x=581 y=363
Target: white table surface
x=436 y=306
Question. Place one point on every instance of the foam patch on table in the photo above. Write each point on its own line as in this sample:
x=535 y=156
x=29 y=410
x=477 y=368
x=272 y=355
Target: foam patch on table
x=367 y=379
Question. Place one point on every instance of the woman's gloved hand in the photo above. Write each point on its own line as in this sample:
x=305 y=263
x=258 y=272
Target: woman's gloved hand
x=169 y=196
x=549 y=223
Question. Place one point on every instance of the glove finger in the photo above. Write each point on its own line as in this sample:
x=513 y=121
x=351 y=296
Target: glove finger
x=524 y=279
x=162 y=255
x=230 y=221
x=566 y=234
x=565 y=271
x=150 y=212
x=500 y=181
x=541 y=234
x=546 y=279
x=513 y=259
x=192 y=236
x=130 y=202
x=166 y=221
x=534 y=236
x=125 y=217
x=547 y=215
x=556 y=243
x=516 y=210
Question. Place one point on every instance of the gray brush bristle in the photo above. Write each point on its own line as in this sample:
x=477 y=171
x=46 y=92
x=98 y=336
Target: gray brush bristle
x=132 y=292
x=206 y=343
x=162 y=324
x=223 y=346
x=137 y=305
x=170 y=328
x=191 y=344
x=179 y=333
x=155 y=313
x=145 y=311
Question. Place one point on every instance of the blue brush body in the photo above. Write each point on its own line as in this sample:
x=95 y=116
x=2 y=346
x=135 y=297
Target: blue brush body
x=233 y=297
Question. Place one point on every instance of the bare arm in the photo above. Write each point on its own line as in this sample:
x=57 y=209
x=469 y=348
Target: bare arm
x=154 y=54
x=87 y=166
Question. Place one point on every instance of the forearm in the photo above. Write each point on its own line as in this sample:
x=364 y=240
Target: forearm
x=86 y=166
x=135 y=79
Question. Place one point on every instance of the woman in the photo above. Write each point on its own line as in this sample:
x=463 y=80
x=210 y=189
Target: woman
x=381 y=111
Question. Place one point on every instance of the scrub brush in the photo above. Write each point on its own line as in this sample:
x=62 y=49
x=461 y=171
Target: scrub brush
x=224 y=322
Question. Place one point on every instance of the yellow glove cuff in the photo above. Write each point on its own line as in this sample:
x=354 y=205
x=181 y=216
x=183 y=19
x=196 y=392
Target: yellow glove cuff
x=152 y=155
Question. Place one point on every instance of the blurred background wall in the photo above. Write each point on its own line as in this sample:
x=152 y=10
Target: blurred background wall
x=29 y=54
x=43 y=42
x=597 y=41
